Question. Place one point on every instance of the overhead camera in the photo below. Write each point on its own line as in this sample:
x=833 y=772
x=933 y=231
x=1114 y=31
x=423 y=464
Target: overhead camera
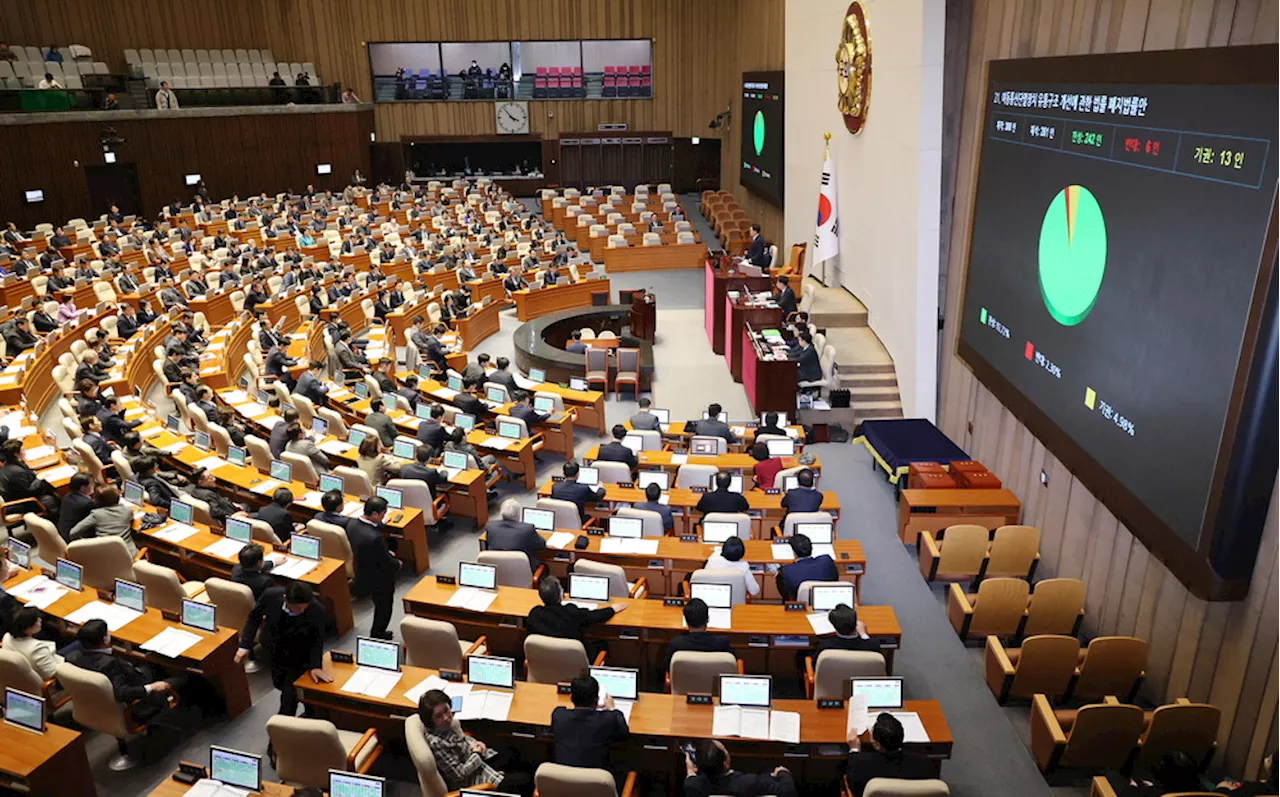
x=721 y=120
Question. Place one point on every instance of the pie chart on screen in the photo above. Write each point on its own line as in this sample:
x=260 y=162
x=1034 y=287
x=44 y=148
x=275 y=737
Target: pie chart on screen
x=1073 y=254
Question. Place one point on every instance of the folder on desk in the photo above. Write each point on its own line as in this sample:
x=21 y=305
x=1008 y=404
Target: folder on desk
x=171 y=642
x=475 y=600
x=560 y=540
x=372 y=681
x=115 y=615
x=756 y=723
x=224 y=548
x=486 y=704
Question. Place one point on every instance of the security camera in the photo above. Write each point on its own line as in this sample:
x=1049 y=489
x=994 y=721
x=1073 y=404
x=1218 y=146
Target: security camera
x=721 y=120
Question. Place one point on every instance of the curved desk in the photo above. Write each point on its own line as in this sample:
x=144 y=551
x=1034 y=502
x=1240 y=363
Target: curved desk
x=540 y=342
x=562 y=296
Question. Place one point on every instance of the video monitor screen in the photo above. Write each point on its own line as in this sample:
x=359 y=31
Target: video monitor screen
x=1117 y=280
x=761 y=130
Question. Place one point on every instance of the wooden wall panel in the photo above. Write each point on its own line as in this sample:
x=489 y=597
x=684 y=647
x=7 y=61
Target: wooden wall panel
x=1225 y=653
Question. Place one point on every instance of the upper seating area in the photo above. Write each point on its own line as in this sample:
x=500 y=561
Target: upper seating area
x=626 y=81
x=31 y=66
x=214 y=68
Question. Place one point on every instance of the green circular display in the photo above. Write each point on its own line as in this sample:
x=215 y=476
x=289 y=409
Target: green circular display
x=1073 y=254
x=759 y=132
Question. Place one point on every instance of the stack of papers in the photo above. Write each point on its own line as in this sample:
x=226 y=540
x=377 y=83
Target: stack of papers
x=716 y=618
x=782 y=550
x=756 y=723
x=679 y=459
x=174 y=447
x=175 y=532
x=487 y=705
x=211 y=463
x=444 y=393
x=498 y=442
x=335 y=447
x=311 y=499
x=628 y=545
x=820 y=624
x=115 y=615
x=249 y=408
x=151 y=431
x=39 y=592
x=371 y=681
x=59 y=472
x=39 y=452
x=267 y=486
x=171 y=642
x=829 y=550
x=225 y=548
x=560 y=540
x=625 y=707
x=450 y=688
x=234 y=397
x=295 y=567
x=269 y=421
x=476 y=600
x=208 y=787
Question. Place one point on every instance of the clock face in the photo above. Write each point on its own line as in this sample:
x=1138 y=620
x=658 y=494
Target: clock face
x=511 y=117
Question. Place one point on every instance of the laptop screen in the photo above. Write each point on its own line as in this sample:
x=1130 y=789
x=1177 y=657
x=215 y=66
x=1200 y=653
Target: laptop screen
x=491 y=671
x=330 y=482
x=632 y=527
x=542 y=519
x=578 y=383
x=202 y=441
x=235 y=768
x=172 y=423
x=199 y=615
x=825 y=597
x=663 y=416
x=281 y=471
x=133 y=493
x=404 y=449
x=422 y=411
x=235 y=455
x=68 y=574
x=19 y=552
x=634 y=442
x=355 y=437
x=23 y=710
x=782 y=419
x=349 y=784
x=544 y=404
x=658 y=477
x=716 y=596
x=304 y=545
x=881 y=692
x=818 y=533
x=723 y=417
x=717 y=531
x=474 y=574
x=588 y=588
x=454 y=384
x=588 y=475
x=424 y=371
x=496 y=394
x=793 y=482
x=455 y=460
x=239 y=530
x=320 y=426
x=180 y=511
x=622 y=683
x=703 y=448
x=537 y=375
x=509 y=430
x=781 y=448
x=464 y=421
x=361 y=390
x=745 y=690
x=377 y=653
x=391 y=495
x=131 y=595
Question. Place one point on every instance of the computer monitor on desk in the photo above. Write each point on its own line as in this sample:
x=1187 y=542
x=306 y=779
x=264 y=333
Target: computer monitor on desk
x=735 y=482
x=454 y=383
x=755 y=691
x=393 y=497
x=509 y=430
x=541 y=519
x=235 y=768
x=583 y=587
x=659 y=477
x=377 y=653
x=537 y=375
x=663 y=416
x=405 y=449
x=588 y=475
x=329 y=482
x=793 y=482
x=349 y=784
x=621 y=683
x=130 y=595
x=818 y=533
x=239 y=530
x=200 y=616
x=578 y=383
x=825 y=597
x=723 y=417
x=464 y=421
x=781 y=448
x=491 y=671
x=24 y=710
x=281 y=471
x=474 y=574
x=629 y=527
x=715 y=595
x=717 y=531
x=881 y=692
x=704 y=448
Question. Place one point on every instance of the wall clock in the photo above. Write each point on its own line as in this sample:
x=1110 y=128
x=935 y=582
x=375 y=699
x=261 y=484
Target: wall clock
x=511 y=117
x=853 y=68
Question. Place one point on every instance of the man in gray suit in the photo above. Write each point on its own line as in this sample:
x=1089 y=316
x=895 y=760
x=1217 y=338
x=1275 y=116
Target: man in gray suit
x=509 y=534
x=645 y=420
x=379 y=420
x=169 y=296
x=309 y=384
x=502 y=376
x=714 y=427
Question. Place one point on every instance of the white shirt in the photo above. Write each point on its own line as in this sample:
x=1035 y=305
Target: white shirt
x=718 y=562
x=39 y=652
x=50 y=84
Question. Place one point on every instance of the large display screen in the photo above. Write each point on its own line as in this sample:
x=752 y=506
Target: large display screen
x=1117 y=255
x=762 y=144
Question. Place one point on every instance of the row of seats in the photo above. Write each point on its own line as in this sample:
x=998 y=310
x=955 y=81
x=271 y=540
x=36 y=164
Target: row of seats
x=227 y=56
x=233 y=75
x=27 y=75
x=730 y=222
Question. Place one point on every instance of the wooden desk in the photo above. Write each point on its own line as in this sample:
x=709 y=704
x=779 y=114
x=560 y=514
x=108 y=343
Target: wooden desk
x=216 y=308
x=934 y=510
x=678 y=433
x=771 y=381
x=480 y=324
x=562 y=296
x=663 y=460
x=653 y=258
x=212 y=657
x=736 y=318
x=488 y=287
x=675 y=559
x=172 y=788
x=765 y=636
x=30 y=376
x=718 y=284
x=49 y=764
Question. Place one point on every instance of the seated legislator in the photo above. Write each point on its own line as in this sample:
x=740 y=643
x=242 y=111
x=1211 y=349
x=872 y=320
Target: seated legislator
x=463 y=760
x=644 y=420
x=771 y=426
x=809 y=368
x=470 y=399
x=577 y=494
x=137 y=684
x=376 y=465
x=722 y=499
x=331 y=509
x=712 y=426
x=76 y=504
x=803 y=498
x=785 y=296
x=380 y=422
x=567 y=621
x=584 y=733
x=309 y=384
x=616 y=451
x=419 y=470
x=652 y=503
x=279 y=436
x=252 y=570
x=159 y=492
x=299 y=444
x=575 y=345
x=501 y=376
x=107 y=518
x=276 y=513
x=508 y=533
x=523 y=409
x=730 y=558
x=709 y=771
x=409 y=392
x=697 y=638
x=766 y=468
x=806 y=567
x=851 y=634
x=885 y=759
x=431 y=431
x=21 y=638
x=458 y=442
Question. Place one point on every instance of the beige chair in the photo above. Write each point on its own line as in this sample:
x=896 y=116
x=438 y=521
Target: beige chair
x=1015 y=551
x=435 y=644
x=550 y=660
x=306 y=410
x=731 y=577
x=337 y=426
x=557 y=780
x=612 y=472
x=619 y=587
x=1183 y=725
x=1096 y=736
x=354 y=481
x=651 y=439
x=304 y=470
x=566 y=513
x=90 y=462
x=334 y=543
x=997 y=608
x=512 y=568
x=1045 y=664
x=806 y=589
x=628 y=371
x=651 y=521
x=739 y=519
x=259 y=452
x=16 y=671
x=424 y=761
x=1111 y=665
x=1056 y=607
x=789 y=523
x=698 y=672
x=94 y=706
x=220 y=437
x=306 y=749
x=263 y=532
x=958 y=556
x=416 y=495
x=834 y=668
x=165 y=588
x=49 y=544
x=123 y=468
x=899 y=787
x=103 y=559
x=234 y=601
x=694 y=475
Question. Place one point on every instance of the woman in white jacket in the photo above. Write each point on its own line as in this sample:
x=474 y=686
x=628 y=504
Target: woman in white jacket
x=41 y=653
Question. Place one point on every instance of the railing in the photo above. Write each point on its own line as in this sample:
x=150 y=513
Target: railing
x=91 y=98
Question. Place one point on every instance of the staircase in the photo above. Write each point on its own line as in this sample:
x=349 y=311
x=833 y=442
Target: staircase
x=865 y=368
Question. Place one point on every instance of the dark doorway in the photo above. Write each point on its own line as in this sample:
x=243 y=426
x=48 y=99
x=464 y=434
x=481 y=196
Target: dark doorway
x=113 y=184
x=697 y=165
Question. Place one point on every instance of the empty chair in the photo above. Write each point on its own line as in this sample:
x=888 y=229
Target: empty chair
x=49 y=544
x=104 y=559
x=652 y=521
x=1096 y=736
x=1056 y=607
x=334 y=543
x=557 y=780
x=597 y=361
x=830 y=674
x=94 y=706
x=304 y=470
x=566 y=513
x=997 y=608
x=1183 y=725
x=354 y=481
x=435 y=644
x=1045 y=664
x=612 y=472
x=17 y=672
x=1111 y=665
x=694 y=475
x=1015 y=551
x=698 y=672
x=233 y=599
x=619 y=587
x=739 y=519
x=512 y=568
x=899 y=787
x=958 y=556
x=165 y=588
x=628 y=369
x=550 y=660
x=306 y=749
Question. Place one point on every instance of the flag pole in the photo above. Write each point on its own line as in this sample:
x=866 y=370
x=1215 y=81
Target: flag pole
x=826 y=151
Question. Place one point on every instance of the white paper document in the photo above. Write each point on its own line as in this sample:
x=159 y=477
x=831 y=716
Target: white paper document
x=39 y=591
x=679 y=459
x=625 y=707
x=335 y=447
x=39 y=452
x=225 y=548
x=115 y=615
x=859 y=720
x=59 y=472
x=912 y=728
x=372 y=681
x=560 y=540
x=628 y=545
x=294 y=567
x=749 y=723
x=413 y=693
x=249 y=408
x=588 y=605
x=234 y=397
x=829 y=550
x=175 y=532
x=487 y=704
x=311 y=499
x=720 y=618
x=782 y=551
x=174 y=447
x=820 y=623
x=267 y=486
x=151 y=431
x=208 y=787
x=171 y=642
x=477 y=600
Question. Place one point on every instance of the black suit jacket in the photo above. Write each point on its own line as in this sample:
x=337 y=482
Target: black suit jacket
x=809 y=368
x=126 y=326
x=513 y=535
x=699 y=642
x=128 y=683
x=375 y=567
x=75 y=508
x=277 y=363
x=528 y=414
x=424 y=474
x=813 y=568
x=159 y=493
x=257 y=580
x=870 y=763
x=787 y=301
x=583 y=735
x=802 y=499
x=470 y=405
x=304 y=648
x=758 y=253
x=564 y=620
x=617 y=452
x=741 y=784
x=277 y=439
x=278 y=518
x=334 y=519
x=722 y=501
x=431 y=433
x=845 y=643
x=579 y=494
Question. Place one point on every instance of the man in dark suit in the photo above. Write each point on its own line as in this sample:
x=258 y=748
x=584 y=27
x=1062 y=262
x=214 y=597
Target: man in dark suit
x=18 y=480
x=309 y=384
x=253 y=571
x=616 y=451
x=278 y=364
x=431 y=432
x=652 y=503
x=18 y=337
x=645 y=420
x=710 y=772
x=785 y=297
x=712 y=426
x=293 y=625
x=381 y=422
x=584 y=734
x=806 y=567
x=114 y=424
x=469 y=400
x=279 y=436
x=851 y=634
x=375 y=567
x=523 y=409
x=276 y=513
x=92 y=427
x=76 y=504
x=578 y=494
x=722 y=499
x=126 y=322
x=803 y=498
x=696 y=616
x=422 y=472
x=566 y=621
x=331 y=510
x=886 y=758
x=129 y=682
x=409 y=392
x=436 y=354
x=757 y=252
x=576 y=346
x=502 y=376
x=810 y=366
x=770 y=426
x=510 y=534
x=159 y=492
